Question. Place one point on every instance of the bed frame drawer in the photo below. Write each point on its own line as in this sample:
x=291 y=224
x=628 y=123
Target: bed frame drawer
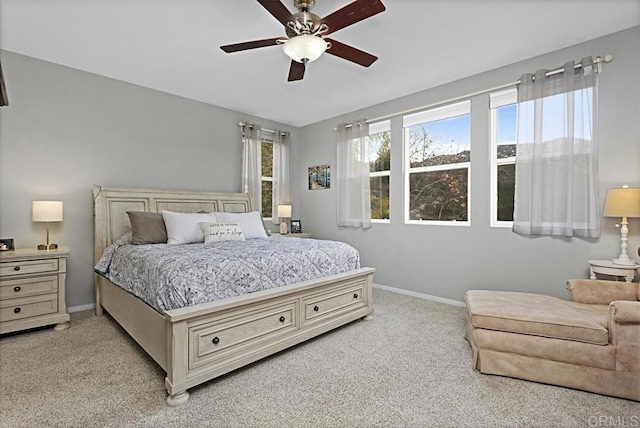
x=25 y=287
x=222 y=339
x=16 y=309
x=28 y=267
x=330 y=304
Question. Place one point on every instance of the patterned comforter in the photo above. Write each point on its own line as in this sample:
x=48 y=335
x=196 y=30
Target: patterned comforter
x=175 y=276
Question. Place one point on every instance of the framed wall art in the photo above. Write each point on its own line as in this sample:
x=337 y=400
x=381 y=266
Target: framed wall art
x=7 y=244
x=296 y=226
x=319 y=177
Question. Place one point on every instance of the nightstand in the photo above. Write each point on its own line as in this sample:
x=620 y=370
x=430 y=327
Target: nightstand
x=607 y=267
x=32 y=289
x=298 y=235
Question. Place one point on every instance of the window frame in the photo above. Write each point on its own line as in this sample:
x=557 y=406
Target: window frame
x=449 y=111
x=266 y=137
x=379 y=127
x=497 y=100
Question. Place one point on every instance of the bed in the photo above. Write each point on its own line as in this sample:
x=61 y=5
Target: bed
x=197 y=343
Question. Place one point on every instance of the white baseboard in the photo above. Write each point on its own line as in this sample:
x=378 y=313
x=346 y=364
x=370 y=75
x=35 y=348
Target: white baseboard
x=420 y=295
x=80 y=308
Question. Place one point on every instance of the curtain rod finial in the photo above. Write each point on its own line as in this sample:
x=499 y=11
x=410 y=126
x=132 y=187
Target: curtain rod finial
x=608 y=58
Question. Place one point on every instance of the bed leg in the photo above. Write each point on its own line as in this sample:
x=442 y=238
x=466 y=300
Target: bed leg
x=178 y=399
x=367 y=318
x=62 y=326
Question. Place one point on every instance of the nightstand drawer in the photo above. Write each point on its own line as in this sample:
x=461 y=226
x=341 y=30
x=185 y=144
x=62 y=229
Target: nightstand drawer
x=16 y=309
x=28 y=267
x=25 y=287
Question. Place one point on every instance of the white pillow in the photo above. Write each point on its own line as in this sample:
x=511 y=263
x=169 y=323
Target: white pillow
x=184 y=228
x=250 y=223
x=216 y=232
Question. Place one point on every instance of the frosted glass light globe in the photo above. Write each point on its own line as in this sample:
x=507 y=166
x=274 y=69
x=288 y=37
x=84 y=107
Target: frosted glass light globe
x=304 y=47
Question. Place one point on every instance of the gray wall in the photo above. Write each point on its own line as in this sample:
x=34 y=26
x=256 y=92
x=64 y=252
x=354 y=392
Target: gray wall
x=66 y=130
x=446 y=261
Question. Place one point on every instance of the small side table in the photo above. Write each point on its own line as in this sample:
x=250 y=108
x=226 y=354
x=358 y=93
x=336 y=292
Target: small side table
x=32 y=289
x=607 y=267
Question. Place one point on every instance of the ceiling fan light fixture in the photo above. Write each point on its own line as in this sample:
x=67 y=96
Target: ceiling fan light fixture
x=304 y=48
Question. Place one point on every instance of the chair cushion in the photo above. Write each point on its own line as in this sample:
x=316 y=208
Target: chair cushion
x=538 y=315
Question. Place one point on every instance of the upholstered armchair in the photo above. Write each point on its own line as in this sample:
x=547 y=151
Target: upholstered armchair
x=591 y=342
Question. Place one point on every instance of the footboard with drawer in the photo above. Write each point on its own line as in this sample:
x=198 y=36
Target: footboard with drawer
x=225 y=335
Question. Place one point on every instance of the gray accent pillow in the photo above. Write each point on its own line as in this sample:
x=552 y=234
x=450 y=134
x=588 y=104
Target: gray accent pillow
x=147 y=228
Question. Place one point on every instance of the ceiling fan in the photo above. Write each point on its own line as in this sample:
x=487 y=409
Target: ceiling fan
x=307 y=33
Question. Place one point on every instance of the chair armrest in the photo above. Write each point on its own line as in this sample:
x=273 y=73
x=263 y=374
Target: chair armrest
x=624 y=334
x=625 y=312
x=599 y=292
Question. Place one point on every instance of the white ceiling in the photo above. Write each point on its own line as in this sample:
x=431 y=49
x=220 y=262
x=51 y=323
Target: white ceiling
x=173 y=46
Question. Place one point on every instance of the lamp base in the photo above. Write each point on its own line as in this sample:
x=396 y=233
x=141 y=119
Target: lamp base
x=624 y=262
x=47 y=247
x=283 y=228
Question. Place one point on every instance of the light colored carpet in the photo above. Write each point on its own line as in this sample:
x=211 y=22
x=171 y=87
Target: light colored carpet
x=410 y=366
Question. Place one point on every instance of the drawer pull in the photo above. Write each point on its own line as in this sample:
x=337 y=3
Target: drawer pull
x=355 y=296
x=17 y=288
x=316 y=309
x=282 y=319
x=16 y=268
x=17 y=310
x=215 y=340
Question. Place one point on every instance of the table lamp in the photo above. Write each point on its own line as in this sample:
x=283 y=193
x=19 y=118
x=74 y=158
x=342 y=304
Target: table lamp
x=47 y=212
x=625 y=203
x=284 y=212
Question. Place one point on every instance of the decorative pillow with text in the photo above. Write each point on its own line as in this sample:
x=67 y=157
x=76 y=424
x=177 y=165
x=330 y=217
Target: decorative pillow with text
x=251 y=223
x=216 y=232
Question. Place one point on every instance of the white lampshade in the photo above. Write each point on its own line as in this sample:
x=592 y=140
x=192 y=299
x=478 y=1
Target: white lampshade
x=304 y=47
x=624 y=202
x=48 y=211
x=284 y=211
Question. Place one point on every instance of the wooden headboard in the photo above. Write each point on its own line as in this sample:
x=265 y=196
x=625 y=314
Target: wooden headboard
x=110 y=206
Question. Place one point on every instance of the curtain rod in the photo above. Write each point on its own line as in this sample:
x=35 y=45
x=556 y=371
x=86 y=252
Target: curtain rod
x=598 y=60
x=242 y=124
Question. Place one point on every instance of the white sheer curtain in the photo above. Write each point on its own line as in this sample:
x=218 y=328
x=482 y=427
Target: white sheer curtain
x=281 y=173
x=353 y=193
x=251 y=164
x=557 y=153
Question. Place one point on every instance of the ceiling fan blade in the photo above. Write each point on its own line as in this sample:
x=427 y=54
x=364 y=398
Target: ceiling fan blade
x=352 y=13
x=350 y=53
x=250 y=45
x=278 y=10
x=296 y=71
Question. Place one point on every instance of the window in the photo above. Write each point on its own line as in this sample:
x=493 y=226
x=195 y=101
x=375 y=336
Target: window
x=503 y=156
x=379 y=169
x=267 y=175
x=437 y=151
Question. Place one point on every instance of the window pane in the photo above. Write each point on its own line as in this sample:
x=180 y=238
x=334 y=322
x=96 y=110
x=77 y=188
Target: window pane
x=438 y=195
x=267 y=192
x=379 y=197
x=554 y=115
x=267 y=160
x=442 y=142
x=380 y=151
x=506 y=131
x=506 y=190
